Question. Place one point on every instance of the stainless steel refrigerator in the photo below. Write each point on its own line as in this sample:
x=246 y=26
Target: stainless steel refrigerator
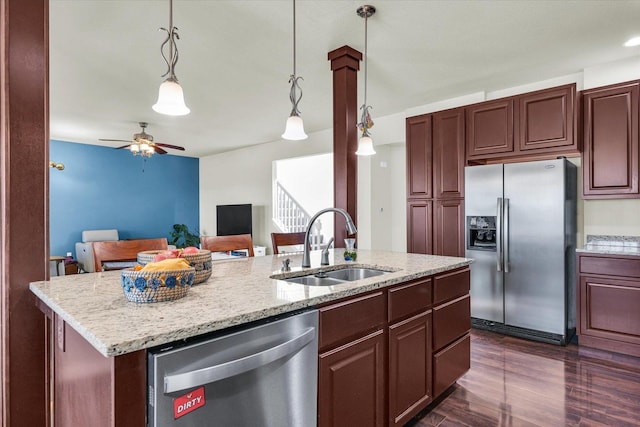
x=521 y=231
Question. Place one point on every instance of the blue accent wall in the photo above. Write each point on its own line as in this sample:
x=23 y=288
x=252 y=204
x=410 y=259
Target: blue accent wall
x=104 y=188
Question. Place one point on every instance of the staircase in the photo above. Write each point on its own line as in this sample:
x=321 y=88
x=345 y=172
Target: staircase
x=290 y=217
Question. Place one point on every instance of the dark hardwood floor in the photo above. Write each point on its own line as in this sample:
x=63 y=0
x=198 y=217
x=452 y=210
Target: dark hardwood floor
x=515 y=382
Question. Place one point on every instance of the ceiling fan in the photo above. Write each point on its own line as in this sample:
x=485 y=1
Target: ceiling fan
x=142 y=144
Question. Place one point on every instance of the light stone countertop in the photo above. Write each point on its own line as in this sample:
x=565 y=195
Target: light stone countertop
x=239 y=291
x=612 y=245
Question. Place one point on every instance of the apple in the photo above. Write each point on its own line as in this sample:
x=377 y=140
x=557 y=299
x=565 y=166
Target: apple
x=190 y=250
x=169 y=253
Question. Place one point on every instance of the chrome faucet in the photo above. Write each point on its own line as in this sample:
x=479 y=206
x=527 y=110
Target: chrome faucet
x=351 y=229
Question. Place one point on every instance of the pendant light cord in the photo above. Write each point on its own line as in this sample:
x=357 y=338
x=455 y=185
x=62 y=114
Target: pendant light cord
x=294 y=38
x=366 y=19
x=365 y=120
x=172 y=35
x=295 y=86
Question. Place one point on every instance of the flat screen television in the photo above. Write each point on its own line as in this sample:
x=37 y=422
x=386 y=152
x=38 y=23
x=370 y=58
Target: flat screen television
x=233 y=219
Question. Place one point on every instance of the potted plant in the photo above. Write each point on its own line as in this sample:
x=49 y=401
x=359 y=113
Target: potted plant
x=181 y=237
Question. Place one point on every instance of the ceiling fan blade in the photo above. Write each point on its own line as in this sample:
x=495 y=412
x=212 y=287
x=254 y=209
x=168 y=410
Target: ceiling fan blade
x=175 y=147
x=124 y=146
x=115 y=140
x=159 y=150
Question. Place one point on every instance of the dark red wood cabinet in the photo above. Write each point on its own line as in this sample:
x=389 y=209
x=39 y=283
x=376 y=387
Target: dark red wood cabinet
x=490 y=129
x=351 y=383
x=610 y=160
x=111 y=391
x=448 y=230
x=419 y=157
x=608 y=302
x=448 y=154
x=528 y=126
x=547 y=120
x=420 y=226
x=393 y=370
x=442 y=172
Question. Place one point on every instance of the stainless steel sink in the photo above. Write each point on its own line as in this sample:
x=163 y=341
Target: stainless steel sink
x=354 y=273
x=335 y=277
x=314 y=281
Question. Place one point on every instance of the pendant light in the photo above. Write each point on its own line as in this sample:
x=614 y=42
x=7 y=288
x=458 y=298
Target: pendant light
x=170 y=95
x=294 y=130
x=365 y=143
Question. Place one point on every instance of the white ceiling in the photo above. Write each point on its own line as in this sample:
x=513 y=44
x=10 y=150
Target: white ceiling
x=236 y=58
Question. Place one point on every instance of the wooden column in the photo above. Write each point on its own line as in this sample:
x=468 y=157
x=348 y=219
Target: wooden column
x=345 y=63
x=24 y=183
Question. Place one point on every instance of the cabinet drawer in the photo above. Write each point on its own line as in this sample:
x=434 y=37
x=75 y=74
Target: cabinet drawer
x=350 y=319
x=450 y=364
x=409 y=299
x=451 y=285
x=451 y=321
x=622 y=267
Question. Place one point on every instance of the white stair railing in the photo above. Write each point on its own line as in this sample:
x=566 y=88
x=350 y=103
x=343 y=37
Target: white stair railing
x=290 y=217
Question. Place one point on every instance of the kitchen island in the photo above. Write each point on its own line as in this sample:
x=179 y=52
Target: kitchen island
x=100 y=339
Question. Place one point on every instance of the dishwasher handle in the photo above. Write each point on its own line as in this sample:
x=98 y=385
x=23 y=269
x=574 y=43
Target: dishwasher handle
x=198 y=377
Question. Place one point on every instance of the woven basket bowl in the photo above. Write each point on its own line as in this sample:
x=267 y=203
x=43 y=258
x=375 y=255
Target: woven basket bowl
x=156 y=286
x=200 y=261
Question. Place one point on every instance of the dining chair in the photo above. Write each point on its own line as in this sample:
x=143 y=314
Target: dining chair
x=119 y=254
x=287 y=239
x=228 y=243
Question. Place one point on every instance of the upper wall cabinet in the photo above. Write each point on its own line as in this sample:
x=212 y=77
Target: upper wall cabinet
x=610 y=161
x=490 y=129
x=532 y=125
x=448 y=154
x=419 y=157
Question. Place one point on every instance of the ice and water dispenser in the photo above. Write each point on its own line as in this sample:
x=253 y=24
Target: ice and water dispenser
x=481 y=233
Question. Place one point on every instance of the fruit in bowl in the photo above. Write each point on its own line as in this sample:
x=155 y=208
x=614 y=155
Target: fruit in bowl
x=200 y=259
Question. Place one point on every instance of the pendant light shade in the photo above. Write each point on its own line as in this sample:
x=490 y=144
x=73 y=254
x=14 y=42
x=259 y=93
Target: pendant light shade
x=170 y=95
x=171 y=99
x=294 y=130
x=365 y=144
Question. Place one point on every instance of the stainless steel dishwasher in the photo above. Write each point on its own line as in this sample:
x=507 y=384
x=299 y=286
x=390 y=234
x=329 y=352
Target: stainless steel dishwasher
x=263 y=375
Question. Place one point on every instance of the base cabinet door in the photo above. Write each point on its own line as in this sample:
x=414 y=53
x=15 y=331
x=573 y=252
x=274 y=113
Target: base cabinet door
x=409 y=368
x=351 y=383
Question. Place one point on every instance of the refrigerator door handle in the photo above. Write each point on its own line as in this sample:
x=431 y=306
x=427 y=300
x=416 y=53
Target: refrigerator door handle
x=499 y=236
x=505 y=219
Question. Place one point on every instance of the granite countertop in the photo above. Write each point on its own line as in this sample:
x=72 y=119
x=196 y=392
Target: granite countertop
x=239 y=291
x=612 y=245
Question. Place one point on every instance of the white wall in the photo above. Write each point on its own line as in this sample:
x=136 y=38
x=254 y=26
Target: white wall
x=245 y=176
x=309 y=180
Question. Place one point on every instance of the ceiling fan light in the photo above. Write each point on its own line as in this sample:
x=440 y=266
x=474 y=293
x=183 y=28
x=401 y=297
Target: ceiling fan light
x=294 y=130
x=144 y=147
x=171 y=99
x=135 y=148
x=365 y=147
